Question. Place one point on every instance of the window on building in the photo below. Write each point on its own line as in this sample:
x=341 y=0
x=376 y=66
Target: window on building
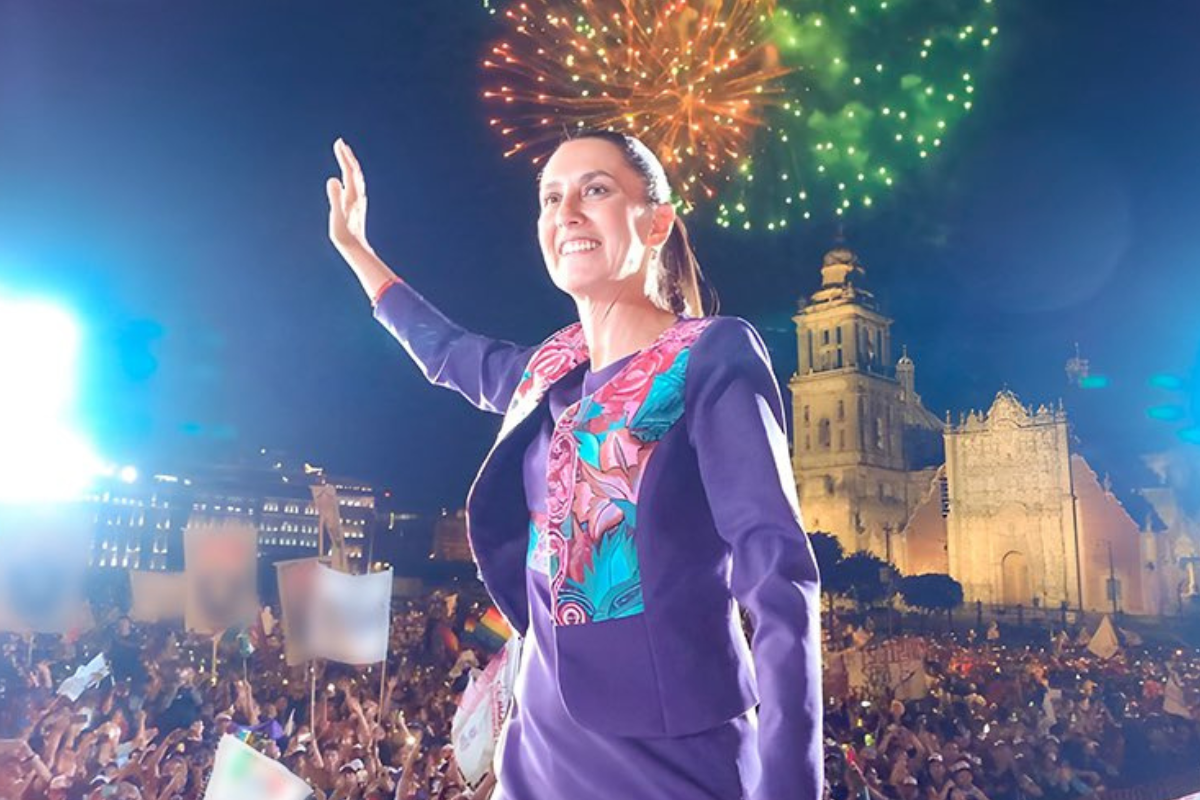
x=841 y=439
x=823 y=434
x=841 y=410
x=806 y=415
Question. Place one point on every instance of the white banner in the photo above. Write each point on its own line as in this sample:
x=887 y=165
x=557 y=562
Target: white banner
x=893 y=668
x=475 y=731
x=350 y=616
x=45 y=556
x=157 y=596
x=241 y=772
x=222 y=562
x=297 y=579
x=86 y=676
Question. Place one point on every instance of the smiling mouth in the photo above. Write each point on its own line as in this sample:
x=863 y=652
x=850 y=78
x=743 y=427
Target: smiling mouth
x=577 y=246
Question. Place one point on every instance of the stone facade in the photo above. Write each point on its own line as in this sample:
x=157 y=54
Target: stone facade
x=1011 y=528
x=1020 y=520
x=997 y=500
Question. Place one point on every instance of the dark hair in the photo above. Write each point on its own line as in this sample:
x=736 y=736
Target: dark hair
x=680 y=285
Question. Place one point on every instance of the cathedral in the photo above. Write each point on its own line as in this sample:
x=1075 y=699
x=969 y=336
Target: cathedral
x=996 y=499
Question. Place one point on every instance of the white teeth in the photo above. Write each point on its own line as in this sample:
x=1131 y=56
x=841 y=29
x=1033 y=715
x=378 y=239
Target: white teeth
x=578 y=246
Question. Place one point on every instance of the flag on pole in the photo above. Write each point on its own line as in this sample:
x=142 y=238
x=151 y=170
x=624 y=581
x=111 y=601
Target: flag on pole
x=1104 y=641
x=329 y=517
x=240 y=772
x=86 y=676
x=350 y=616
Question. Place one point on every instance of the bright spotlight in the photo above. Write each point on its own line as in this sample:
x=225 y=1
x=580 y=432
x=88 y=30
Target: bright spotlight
x=42 y=456
x=128 y=474
x=45 y=464
x=39 y=344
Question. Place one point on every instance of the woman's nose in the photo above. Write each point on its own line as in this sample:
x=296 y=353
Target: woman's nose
x=568 y=213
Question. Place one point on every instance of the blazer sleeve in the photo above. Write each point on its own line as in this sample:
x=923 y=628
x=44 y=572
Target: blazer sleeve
x=484 y=371
x=736 y=426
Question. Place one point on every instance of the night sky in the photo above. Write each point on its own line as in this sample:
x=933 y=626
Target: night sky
x=162 y=169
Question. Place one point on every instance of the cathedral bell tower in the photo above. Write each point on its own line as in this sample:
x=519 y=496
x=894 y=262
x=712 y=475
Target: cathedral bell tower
x=857 y=417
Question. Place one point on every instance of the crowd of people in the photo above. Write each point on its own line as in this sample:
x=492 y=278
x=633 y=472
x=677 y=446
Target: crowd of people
x=150 y=730
x=1051 y=722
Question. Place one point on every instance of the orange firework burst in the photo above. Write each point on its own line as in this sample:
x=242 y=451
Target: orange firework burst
x=691 y=78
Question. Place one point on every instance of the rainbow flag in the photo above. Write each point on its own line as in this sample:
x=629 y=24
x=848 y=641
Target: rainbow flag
x=490 y=632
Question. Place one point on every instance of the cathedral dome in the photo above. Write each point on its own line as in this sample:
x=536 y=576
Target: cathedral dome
x=840 y=267
x=840 y=255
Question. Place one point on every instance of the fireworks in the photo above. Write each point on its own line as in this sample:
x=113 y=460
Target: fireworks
x=765 y=113
x=694 y=80
x=875 y=90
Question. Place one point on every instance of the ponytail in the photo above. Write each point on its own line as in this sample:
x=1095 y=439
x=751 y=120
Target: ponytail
x=681 y=285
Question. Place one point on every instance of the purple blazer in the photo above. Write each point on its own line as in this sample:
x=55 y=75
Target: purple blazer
x=718 y=525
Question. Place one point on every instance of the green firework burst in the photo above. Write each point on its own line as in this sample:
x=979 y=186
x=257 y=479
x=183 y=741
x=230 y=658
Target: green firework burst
x=876 y=89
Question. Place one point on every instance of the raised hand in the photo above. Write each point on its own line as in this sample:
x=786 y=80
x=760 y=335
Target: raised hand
x=347 y=202
x=348 y=223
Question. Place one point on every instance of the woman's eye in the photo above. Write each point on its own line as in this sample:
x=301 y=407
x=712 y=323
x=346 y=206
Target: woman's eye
x=595 y=189
x=548 y=199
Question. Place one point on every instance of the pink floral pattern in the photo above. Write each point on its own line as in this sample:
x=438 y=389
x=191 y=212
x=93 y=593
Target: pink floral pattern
x=560 y=354
x=594 y=471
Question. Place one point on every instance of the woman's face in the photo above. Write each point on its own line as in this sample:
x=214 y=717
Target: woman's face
x=595 y=223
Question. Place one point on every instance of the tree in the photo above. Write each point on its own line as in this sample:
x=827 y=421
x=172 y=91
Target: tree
x=932 y=592
x=828 y=551
x=865 y=578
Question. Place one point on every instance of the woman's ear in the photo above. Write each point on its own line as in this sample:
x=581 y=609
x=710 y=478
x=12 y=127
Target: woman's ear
x=661 y=222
